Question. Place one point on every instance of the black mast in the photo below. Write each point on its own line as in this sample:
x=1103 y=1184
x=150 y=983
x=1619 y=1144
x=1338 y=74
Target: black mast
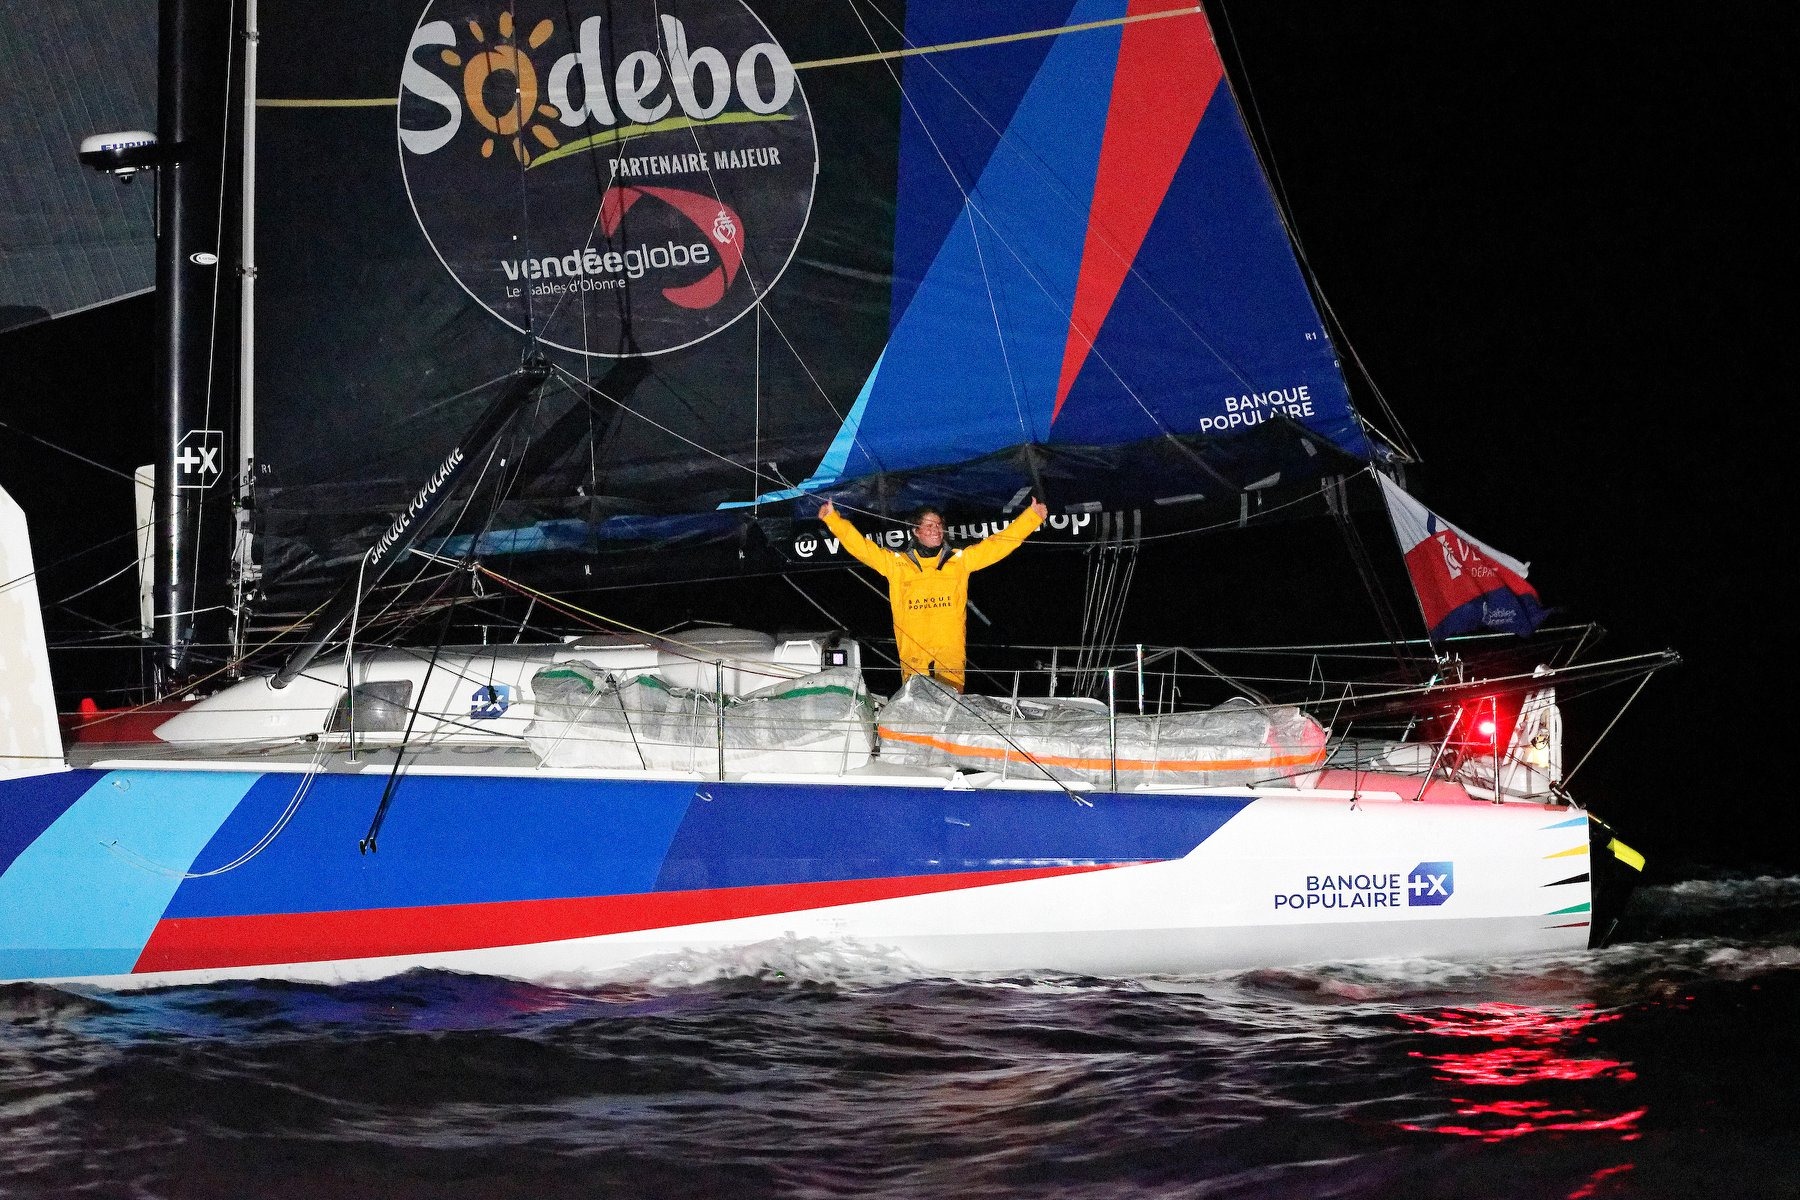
x=190 y=451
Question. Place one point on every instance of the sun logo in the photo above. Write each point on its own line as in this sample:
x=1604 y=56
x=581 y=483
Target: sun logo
x=486 y=79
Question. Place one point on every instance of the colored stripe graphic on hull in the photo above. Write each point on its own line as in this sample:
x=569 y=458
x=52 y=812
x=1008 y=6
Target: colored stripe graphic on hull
x=83 y=896
x=195 y=943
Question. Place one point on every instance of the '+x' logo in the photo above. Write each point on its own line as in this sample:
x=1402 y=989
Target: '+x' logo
x=199 y=457
x=1430 y=883
x=207 y=460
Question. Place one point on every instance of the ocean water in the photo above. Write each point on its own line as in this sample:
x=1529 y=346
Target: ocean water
x=1665 y=1066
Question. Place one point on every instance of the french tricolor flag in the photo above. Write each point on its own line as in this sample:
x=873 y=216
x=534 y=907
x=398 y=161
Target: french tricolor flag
x=1463 y=585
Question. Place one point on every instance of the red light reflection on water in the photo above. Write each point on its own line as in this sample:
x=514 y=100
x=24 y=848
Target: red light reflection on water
x=1531 y=1050
x=1591 y=1188
x=1534 y=1116
x=1507 y=1065
x=1524 y=1022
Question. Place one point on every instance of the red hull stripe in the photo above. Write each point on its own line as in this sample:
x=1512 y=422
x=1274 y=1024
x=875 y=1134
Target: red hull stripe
x=193 y=943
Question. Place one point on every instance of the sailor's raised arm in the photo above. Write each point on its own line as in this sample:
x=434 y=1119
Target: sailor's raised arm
x=860 y=547
x=996 y=546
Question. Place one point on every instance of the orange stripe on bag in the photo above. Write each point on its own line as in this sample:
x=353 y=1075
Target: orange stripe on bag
x=1099 y=764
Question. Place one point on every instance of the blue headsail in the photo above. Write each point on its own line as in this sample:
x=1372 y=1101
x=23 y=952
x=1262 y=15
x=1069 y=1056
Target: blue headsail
x=776 y=251
x=1081 y=265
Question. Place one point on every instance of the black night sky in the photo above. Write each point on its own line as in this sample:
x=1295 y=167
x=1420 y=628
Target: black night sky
x=1556 y=238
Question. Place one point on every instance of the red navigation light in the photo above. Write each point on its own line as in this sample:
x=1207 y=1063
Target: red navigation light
x=88 y=707
x=1485 y=727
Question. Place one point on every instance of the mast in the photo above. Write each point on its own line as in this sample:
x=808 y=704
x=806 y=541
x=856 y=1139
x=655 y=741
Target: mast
x=245 y=573
x=188 y=454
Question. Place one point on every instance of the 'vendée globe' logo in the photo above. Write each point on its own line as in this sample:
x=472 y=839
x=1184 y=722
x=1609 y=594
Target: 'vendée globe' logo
x=619 y=183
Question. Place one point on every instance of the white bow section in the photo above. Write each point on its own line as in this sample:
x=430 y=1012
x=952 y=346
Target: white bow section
x=29 y=739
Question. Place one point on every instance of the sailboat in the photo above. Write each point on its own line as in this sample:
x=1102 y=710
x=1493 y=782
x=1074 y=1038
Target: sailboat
x=540 y=300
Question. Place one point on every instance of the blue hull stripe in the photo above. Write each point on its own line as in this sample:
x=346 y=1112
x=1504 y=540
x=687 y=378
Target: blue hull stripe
x=33 y=805
x=751 y=835
x=445 y=841
x=91 y=885
x=83 y=898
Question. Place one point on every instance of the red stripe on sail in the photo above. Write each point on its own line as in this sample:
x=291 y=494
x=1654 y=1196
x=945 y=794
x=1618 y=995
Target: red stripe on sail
x=1167 y=73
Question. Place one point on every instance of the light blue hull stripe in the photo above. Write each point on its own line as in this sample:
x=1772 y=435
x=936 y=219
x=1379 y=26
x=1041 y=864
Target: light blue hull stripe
x=86 y=895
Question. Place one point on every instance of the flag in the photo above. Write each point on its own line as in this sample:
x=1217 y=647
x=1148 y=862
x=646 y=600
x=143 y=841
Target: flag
x=1463 y=585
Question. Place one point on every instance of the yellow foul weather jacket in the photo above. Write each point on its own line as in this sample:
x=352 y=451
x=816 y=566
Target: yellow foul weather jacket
x=928 y=595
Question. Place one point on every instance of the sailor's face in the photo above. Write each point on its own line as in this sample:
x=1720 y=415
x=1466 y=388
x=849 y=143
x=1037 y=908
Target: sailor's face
x=930 y=531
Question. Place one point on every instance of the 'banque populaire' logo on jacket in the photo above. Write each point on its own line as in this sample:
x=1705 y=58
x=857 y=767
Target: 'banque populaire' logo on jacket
x=619 y=183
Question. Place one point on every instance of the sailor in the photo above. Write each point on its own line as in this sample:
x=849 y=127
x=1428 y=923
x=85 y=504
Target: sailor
x=928 y=585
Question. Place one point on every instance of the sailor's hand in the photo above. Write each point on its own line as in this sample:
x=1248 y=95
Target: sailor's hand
x=1039 y=507
x=827 y=509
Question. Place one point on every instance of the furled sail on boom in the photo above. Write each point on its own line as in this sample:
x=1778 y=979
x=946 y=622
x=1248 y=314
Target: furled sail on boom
x=883 y=251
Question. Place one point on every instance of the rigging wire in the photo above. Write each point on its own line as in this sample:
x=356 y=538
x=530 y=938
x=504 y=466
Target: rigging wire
x=969 y=209
x=10 y=428
x=195 y=684
x=692 y=651
x=1112 y=565
x=474 y=491
x=308 y=775
x=1595 y=744
x=882 y=654
x=962 y=702
x=370 y=433
x=1129 y=553
x=581 y=388
x=20 y=580
x=367 y=844
x=1263 y=147
x=399 y=591
x=800 y=361
x=756 y=424
x=92 y=587
x=234 y=661
x=759 y=291
x=1102 y=560
x=1365 y=570
x=1075 y=203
